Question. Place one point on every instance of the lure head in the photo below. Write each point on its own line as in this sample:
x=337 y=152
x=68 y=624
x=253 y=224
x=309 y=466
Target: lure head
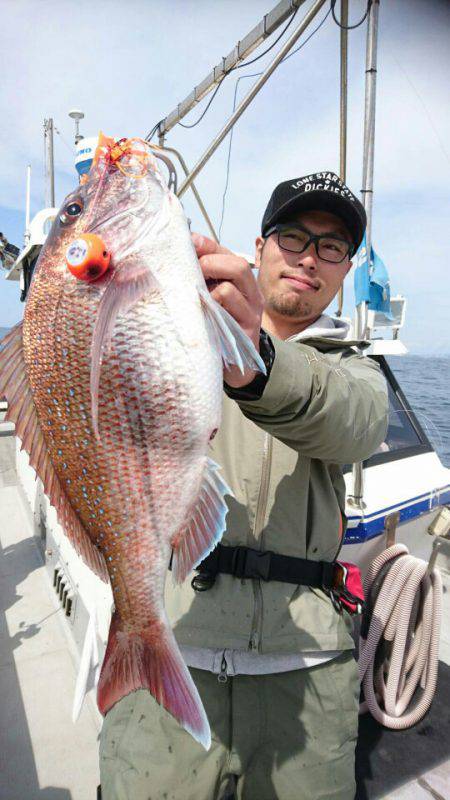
x=87 y=257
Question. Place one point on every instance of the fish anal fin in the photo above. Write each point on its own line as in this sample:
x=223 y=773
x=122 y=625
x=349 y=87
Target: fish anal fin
x=206 y=524
x=150 y=659
x=22 y=411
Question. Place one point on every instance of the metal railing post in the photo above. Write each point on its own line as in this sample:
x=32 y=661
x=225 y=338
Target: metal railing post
x=357 y=497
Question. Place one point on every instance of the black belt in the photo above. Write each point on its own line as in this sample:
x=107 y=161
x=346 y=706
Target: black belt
x=243 y=562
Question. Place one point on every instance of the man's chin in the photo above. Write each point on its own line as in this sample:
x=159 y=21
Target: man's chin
x=294 y=307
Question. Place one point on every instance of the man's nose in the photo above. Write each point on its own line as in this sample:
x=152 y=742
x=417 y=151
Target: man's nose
x=309 y=258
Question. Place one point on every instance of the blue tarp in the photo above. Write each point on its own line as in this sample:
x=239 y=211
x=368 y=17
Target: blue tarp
x=372 y=281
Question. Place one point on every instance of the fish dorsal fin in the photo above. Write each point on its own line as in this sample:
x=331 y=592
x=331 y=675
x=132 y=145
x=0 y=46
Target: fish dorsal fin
x=15 y=387
x=206 y=525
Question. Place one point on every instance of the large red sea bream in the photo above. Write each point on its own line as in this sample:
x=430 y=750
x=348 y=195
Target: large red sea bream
x=114 y=382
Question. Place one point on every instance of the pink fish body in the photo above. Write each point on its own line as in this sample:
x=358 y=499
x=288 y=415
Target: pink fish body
x=115 y=386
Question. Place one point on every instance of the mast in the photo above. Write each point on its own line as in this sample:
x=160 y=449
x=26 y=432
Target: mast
x=369 y=140
x=49 y=164
x=356 y=499
x=343 y=115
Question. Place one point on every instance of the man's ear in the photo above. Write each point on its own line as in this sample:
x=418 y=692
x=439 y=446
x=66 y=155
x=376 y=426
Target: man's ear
x=350 y=264
x=259 y=244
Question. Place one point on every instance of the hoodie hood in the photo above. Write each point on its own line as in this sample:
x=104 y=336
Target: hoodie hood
x=325 y=327
x=329 y=333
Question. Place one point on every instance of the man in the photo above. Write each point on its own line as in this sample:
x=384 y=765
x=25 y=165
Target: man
x=268 y=649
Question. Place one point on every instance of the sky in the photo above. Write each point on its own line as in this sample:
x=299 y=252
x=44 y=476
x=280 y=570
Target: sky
x=128 y=65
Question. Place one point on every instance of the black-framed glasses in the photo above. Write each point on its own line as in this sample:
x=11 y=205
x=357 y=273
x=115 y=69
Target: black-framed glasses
x=296 y=239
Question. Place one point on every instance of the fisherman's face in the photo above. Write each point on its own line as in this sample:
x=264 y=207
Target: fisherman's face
x=299 y=286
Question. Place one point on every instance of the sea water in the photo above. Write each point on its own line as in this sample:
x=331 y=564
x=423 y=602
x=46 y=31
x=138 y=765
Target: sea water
x=425 y=380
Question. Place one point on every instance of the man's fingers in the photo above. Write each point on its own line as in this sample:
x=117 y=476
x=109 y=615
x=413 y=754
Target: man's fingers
x=205 y=246
x=232 y=268
x=235 y=303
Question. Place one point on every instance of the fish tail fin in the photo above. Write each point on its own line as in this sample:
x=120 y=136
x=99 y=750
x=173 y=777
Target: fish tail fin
x=235 y=346
x=150 y=659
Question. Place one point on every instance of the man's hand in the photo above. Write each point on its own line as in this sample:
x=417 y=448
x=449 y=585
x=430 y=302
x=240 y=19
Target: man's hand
x=231 y=283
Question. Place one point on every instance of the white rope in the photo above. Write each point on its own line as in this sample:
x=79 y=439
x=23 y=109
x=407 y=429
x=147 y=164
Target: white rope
x=407 y=615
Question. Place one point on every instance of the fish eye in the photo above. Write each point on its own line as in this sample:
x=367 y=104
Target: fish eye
x=71 y=211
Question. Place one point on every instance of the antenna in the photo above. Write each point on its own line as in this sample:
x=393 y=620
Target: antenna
x=76 y=115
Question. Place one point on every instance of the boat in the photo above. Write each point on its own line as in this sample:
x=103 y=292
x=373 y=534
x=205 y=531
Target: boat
x=57 y=612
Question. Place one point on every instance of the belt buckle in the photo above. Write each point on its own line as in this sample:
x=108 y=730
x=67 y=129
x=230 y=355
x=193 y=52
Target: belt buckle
x=340 y=574
x=339 y=577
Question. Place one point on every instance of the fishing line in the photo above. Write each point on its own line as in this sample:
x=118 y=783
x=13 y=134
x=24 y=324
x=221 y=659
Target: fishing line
x=64 y=140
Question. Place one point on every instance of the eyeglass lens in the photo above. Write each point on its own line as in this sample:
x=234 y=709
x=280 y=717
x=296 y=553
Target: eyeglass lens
x=328 y=248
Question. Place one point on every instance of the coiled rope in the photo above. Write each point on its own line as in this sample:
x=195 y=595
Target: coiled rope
x=399 y=644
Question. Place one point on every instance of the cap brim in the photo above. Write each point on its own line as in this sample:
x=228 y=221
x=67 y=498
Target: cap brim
x=319 y=200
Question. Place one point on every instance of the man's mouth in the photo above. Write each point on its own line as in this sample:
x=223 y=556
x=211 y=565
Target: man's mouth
x=301 y=283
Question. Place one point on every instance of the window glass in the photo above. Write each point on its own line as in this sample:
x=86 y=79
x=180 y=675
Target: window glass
x=404 y=431
x=401 y=432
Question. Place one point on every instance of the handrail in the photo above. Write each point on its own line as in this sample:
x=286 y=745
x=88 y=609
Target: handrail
x=194 y=190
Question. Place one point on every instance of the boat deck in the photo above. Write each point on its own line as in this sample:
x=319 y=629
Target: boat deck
x=45 y=756
x=42 y=753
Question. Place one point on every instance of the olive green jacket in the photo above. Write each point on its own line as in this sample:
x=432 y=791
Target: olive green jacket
x=323 y=406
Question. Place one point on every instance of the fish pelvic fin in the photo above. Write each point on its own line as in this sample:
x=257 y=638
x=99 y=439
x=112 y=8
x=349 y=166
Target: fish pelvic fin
x=123 y=292
x=150 y=659
x=235 y=346
x=15 y=387
x=206 y=525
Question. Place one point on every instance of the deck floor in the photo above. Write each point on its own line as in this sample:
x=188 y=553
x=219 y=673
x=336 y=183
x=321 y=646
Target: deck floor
x=45 y=756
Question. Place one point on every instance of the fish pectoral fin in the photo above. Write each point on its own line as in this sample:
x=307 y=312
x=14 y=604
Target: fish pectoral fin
x=15 y=387
x=206 y=526
x=235 y=346
x=150 y=659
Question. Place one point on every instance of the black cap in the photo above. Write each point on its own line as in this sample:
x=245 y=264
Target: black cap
x=323 y=191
